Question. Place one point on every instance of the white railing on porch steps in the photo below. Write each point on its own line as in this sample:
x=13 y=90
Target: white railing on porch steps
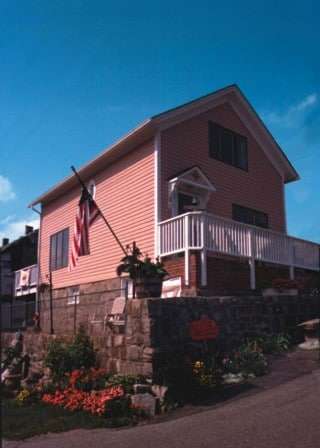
x=203 y=231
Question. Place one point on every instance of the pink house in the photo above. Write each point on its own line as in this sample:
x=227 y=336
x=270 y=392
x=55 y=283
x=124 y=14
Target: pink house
x=201 y=186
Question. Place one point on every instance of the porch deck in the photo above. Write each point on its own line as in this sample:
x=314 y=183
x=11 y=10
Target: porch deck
x=205 y=232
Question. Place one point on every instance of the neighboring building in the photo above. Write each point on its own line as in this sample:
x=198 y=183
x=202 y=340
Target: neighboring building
x=201 y=185
x=18 y=278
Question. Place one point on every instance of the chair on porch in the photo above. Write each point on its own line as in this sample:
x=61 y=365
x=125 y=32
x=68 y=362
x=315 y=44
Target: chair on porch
x=171 y=288
x=115 y=317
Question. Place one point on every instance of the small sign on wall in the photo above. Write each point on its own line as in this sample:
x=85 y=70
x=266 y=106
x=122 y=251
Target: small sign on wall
x=204 y=329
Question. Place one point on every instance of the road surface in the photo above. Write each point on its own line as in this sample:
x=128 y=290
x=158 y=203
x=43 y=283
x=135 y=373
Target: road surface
x=286 y=416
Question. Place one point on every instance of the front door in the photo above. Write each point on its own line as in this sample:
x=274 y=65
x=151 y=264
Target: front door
x=187 y=203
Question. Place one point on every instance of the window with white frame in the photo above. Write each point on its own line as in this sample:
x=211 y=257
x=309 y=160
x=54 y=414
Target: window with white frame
x=92 y=188
x=74 y=295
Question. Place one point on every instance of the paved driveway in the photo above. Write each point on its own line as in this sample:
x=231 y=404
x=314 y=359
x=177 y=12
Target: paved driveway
x=287 y=416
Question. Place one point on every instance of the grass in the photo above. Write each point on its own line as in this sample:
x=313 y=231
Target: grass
x=20 y=422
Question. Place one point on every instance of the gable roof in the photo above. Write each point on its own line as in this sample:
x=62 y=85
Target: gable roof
x=146 y=130
x=195 y=176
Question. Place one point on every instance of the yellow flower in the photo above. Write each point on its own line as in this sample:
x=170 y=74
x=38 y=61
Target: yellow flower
x=198 y=364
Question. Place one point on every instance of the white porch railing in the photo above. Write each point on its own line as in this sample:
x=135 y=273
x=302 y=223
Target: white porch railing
x=205 y=232
x=26 y=280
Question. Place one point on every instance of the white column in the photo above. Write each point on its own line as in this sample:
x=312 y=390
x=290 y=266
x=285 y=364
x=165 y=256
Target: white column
x=251 y=259
x=292 y=254
x=157 y=194
x=203 y=254
x=186 y=251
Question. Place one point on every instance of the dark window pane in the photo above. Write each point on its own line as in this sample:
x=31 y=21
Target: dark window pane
x=65 y=245
x=214 y=141
x=53 y=252
x=228 y=146
x=261 y=219
x=59 y=249
x=241 y=153
x=249 y=216
x=184 y=201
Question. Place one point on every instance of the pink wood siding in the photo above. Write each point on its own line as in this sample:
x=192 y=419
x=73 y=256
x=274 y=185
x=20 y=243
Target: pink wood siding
x=125 y=193
x=186 y=144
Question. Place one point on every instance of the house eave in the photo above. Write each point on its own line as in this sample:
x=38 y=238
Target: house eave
x=148 y=129
x=269 y=144
x=121 y=147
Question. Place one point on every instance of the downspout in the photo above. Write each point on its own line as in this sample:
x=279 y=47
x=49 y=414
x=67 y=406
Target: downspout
x=157 y=193
x=38 y=258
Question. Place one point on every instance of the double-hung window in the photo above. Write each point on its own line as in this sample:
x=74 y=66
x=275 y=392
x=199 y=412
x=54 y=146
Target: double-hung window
x=227 y=146
x=59 y=249
x=249 y=216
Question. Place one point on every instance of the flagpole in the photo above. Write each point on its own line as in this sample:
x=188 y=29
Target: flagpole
x=50 y=297
x=99 y=210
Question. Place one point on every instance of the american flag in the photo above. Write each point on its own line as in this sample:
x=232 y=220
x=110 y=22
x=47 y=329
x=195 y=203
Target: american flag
x=86 y=214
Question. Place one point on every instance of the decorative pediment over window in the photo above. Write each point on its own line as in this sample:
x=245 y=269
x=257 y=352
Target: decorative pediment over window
x=194 y=183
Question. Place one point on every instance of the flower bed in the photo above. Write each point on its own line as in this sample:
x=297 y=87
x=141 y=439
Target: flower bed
x=95 y=402
x=87 y=390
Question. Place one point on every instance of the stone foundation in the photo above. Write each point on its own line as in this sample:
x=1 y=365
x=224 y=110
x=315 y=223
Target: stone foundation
x=156 y=327
x=95 y=302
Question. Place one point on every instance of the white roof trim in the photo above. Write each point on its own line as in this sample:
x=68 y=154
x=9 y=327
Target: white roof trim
x=266 y=141
x=207 y=185
x=167 y=119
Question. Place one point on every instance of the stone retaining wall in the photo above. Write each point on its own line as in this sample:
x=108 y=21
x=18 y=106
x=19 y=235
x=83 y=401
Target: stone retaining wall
x=94 y=303
x=237 y=317
x=155 y=327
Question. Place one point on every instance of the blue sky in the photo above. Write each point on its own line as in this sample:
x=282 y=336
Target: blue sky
x=76 y=75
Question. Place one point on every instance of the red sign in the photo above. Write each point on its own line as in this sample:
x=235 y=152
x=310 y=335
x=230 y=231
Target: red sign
x=203 y=329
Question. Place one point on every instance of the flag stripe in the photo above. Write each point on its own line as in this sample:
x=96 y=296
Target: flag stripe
x=86 y=214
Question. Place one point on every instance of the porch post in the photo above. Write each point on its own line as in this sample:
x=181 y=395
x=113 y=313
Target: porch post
x=252 y=260
x=291 y=269
x=186 y=251
x=203 y=253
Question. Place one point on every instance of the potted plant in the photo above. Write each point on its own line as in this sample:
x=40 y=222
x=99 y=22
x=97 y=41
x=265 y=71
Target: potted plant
x=145 y=274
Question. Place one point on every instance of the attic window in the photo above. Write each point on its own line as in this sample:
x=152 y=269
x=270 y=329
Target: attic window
x=227 y=146
x=92 y=188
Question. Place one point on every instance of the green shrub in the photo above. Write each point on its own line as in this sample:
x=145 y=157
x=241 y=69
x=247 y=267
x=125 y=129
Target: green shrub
x=248 y=359
x=207 y=375
x=81 y=351
x=62 y=357
x=277 y=343
x=9 y=354
x=252 y=362
x=58 y=360
x=118 y=408
x=26 y=397
x=126 y=381
x=188 y=379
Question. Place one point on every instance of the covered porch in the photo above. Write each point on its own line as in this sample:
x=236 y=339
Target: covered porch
x=210 y=235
